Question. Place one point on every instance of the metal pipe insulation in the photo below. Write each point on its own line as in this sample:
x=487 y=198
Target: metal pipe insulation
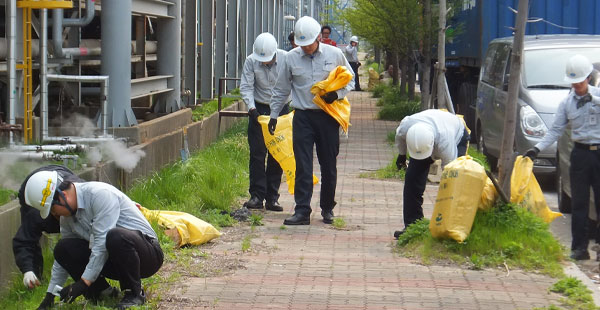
x=83 y=20
x=27 y=155
x=12 y=64
x=103 y=80
x=79 y=140
x=50 y=147
x=58 y=21
x=44 y=72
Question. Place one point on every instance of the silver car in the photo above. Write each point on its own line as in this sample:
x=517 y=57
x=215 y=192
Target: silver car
x=541 y=90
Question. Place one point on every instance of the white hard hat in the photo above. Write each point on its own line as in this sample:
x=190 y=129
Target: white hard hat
x=40 y=190
x=265 y=47
x=578 y=69
x=354 y=39
x=306 y=31
x=419 y=141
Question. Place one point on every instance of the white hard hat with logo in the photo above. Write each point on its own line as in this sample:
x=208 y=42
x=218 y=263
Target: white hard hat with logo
x=265 y=47
x=40 y=190
x=354 y=39
x=419 y=141
x=578 y=69
x=306 y=31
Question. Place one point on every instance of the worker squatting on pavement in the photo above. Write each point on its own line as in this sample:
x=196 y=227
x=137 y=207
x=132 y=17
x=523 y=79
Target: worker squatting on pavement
x=103 y=235
x=303 y=67
x=581 y=108
x=352 y=56
x=26 y=242
x=426 y=136
x=258 y=78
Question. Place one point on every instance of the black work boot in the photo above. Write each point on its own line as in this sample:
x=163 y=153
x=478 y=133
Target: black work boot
x=131 y=299
x=580 y=254
x=327 y=217
x=398 y=233
x=273 y=206
x=297 y=219
x=253 y=203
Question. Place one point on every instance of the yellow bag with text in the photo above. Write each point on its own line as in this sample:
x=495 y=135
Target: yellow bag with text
x=458 y=196
x=526 y=191
x=281 y=147
x=340 y=109
x=191 y=229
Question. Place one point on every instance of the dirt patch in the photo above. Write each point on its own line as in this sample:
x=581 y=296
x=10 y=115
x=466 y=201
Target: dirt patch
x=345 y=228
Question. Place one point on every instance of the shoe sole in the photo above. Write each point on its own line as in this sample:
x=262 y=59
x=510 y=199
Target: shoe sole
x=328 y=221
x=307 y=222
x=275 y=209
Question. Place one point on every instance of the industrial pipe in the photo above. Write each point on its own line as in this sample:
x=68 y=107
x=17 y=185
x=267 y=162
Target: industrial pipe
x=44 y=72
x=80 y=140
x=58 y=21
x=50 y=147
x=12 y=65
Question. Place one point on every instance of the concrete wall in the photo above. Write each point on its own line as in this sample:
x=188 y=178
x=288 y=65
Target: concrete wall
x=156 y=138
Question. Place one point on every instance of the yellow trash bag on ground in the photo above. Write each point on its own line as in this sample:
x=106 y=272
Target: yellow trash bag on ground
x=191 y=229
x=374 y=79
x=488 y=195
x=281 y=146
x=459 y=193
x=525 y=190
x=339 y=109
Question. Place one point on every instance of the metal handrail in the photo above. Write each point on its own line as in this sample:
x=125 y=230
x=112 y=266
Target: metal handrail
x=219 y=102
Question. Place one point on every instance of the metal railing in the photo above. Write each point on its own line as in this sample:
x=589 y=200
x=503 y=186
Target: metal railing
x=219 y=102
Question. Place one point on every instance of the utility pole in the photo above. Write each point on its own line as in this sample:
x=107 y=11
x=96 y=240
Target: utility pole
x=508 y=137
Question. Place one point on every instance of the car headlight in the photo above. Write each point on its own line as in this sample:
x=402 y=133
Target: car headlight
x=531 y=122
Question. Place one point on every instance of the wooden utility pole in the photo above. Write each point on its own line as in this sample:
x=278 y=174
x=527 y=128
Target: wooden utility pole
x=426 y=78
x=510 y=118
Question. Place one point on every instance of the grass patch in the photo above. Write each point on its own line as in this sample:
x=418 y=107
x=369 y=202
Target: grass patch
x=209 y=182
x=506 y=236
x=210 y=107
x=388 y=172
x=7 y=195
x=379 y=89
x=478 y=157
x=578 y=296
x=246 y=243
x=256 y=220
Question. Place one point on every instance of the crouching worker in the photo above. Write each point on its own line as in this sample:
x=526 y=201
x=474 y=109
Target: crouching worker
x=26 y=242
x=103 y=235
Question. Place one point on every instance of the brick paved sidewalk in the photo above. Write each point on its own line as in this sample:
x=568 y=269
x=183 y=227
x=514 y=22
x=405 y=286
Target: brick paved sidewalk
x=318 y=267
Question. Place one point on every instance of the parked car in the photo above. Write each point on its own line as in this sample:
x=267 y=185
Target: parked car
x=541 y=89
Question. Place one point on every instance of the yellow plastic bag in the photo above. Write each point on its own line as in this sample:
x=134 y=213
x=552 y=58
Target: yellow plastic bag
x=455 y=207
x=191 y=229
x=339 y=109
x=373 y=79
x=488 y=195
x=281 y=146
x=525 y=190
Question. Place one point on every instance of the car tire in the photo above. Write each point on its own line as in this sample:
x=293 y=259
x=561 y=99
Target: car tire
x=564 y=201
x=493 y=161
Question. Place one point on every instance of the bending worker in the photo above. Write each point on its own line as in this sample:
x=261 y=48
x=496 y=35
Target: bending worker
x=103 y=234
x=26 y=242
x=426 y=136
x=258 y=77
x=581 y=108
x=352 y=56
x=302 y=68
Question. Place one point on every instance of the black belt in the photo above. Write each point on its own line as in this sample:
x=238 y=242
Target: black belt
x=589 y=147
x=260 y=102
x=311 y=110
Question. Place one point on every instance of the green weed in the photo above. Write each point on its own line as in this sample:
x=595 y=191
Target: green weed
x=7 y=195
x=391 y=137
x=578 y=296
x=256 y=220
x=506 y=234
x=379 y=89
x=339 y=223
x=388 y=172
x=283 y=227
x=210 y=107
x=246 y=243
x=479 y=157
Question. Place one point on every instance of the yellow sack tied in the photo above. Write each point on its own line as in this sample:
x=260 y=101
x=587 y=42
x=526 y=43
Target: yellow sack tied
x=339 y=109
x=455 y=207
x=191 y=229
x=280 y=145
x=373 y=79
x=488 y=196
x=525 y=190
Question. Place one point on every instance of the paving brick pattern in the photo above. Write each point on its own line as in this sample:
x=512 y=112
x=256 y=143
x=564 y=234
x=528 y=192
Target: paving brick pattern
x=318 y=267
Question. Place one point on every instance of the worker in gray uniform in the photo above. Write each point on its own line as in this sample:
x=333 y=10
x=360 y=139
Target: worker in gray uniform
x=580 y=109
x=312 y=126
x=352 y=56
x=258 y=78
x=103 y=234
x=426 y=136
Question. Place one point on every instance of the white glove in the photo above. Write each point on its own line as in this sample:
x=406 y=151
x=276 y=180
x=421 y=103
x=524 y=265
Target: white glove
x=30 y=280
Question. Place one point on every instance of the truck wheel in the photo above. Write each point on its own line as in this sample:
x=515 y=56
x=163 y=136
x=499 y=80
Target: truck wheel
x=564 y=201
x=493 y=161
x=467 y=95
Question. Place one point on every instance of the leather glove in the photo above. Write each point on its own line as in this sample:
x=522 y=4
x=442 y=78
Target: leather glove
x=401 y=162
x=71 y=292
x=30 y=280
x=272 y=126
x=47 y=303
x=254 y=114
x=532 y=153
x=330 y=97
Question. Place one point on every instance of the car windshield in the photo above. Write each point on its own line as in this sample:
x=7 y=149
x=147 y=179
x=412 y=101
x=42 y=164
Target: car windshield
x=545 y=68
